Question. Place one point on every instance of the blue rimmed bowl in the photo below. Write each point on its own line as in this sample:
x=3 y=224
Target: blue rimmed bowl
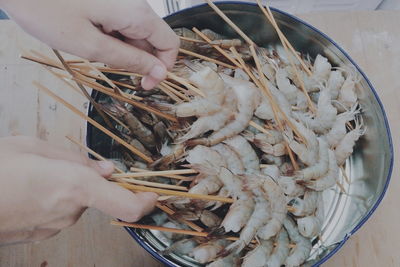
x=370 y=167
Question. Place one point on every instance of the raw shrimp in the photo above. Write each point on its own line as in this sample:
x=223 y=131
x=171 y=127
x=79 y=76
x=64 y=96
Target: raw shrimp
x=137 y=129
x=247 y=101
x=287 y=168
x=309 y=226
x=258 y=256
x=181 y=247
x=207 y=252
x=230 y=260
x=345 y=148
x=347 y=95
x=328 y=180
x=205 y=159
x=290 y=187
x=208 y=218
x=281 y=250
x=305 y=206
x=325 y=116
x=246 y=153
x=260 y=216
x=338 y=130
x=271 y=171
x=171 y=155
x=335 y=82
x=306 y=153
x=223 y=192
x=207 y=186
x=278 y=208
x=241 y=210
x=259 y=140
x=321 y=68
x=283 y=83
x=271 y=159
x=233 y=161
x=301 y=251
x=320 y=168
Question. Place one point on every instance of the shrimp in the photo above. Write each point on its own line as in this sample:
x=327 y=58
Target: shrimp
x=230 y=260
x=305 y=206
x=171 y=155
x=281 y=250
x=309 y=226
x=320 y=168
x=286 y=168
x=258 y=256
x=283 y=83
x=321 y=68
x=327 y=180
x=233 y=161
x=247 y=101
x=241 y=210
x=277 y=202
x=347 y=95
x=325 y=116
x=260 y=216
x=261 y=140
x=345 y=148
x=271 y=159
x=271 y=171
x=207 y=252
x=301 y=251
x=247 y=154
x=135 y=126
x=205 y=159
x=338 y=130
x=207 y=185
x=335 y=82
x=223 y=192
x=290 y=187
x=307 y=154
x=181 y=247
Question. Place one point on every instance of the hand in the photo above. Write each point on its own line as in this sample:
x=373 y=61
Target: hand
x=44 y=189
x=126 y=33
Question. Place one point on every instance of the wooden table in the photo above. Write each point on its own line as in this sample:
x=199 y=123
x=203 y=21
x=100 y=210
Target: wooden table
x=371 y=38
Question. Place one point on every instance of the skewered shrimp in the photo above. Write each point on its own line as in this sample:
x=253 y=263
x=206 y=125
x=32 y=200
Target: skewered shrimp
x=321 y=167
x=207 y=217
x=260 y=216
x=247 y=101
x=207 y=252
x=311 y=226
x=247 y=154
x=277 y=202
x=328 y=180
x=307 y=154
x=271 y=159
x=305 y=206
x=223 y=192
x=207 y=185
x=241 y=210
x=258 y=256
x=290 y=187
x=281 y=250
x=261 y=141
x=301 y=251
x=347 y=95
x=271 y=171
x=335 y=82
x=283 y=83
x=345 y=148
x=181 y=247
x=338 y=130
x=233 y=161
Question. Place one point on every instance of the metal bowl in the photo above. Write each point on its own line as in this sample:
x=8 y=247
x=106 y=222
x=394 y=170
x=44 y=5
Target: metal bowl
x=370 y=167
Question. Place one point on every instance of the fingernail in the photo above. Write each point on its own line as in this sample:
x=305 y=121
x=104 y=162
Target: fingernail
x=158 y=72
x=105 y=165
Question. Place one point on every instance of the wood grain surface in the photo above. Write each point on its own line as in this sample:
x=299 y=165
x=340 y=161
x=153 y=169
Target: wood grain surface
x=371 y=38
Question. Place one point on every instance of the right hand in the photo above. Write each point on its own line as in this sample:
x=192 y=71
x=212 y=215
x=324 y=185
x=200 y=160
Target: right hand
x=123 y=33
x=44 y=189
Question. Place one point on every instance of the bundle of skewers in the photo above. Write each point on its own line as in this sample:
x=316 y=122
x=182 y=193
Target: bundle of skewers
x=240 y=142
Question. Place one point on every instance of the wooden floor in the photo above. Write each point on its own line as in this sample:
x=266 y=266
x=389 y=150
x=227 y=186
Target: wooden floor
x=371 y=38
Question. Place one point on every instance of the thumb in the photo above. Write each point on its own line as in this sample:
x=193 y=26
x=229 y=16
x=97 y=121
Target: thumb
x=119 y=202
x=107 y=49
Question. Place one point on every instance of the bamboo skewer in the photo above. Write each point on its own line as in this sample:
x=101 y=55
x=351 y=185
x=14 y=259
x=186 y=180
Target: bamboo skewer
x=259 y=127
x=190 y=53
x=185 y=83
x=176 y=92
x=271 y=18
x=176 y=193
x=169 y=93
x=176 y=231
x=169 y=211
x=93 y=122
x=154 y=173
x=172 y=176
x=90 y=151
x=268 y=14
x=219 y=49
x=191 y=39
x=230 y=22
x=150 y=184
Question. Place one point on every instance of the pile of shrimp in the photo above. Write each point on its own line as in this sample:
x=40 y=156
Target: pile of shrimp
x=277 y=211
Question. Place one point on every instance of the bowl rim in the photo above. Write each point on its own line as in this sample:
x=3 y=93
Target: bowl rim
x=167 y=262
